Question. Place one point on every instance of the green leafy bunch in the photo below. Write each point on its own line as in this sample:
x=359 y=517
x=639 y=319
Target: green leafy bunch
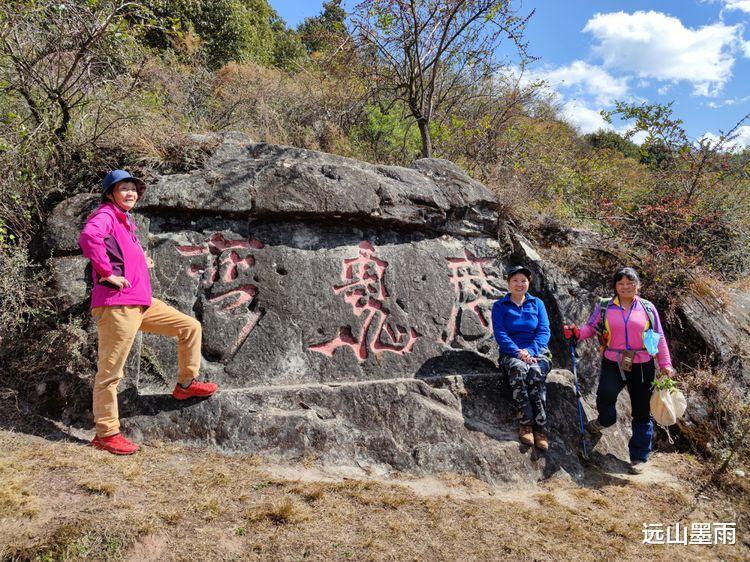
x=664 y=383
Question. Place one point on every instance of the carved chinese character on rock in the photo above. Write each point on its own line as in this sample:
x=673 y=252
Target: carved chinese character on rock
x=475 y=287
x=364 y=289
x=228 y=259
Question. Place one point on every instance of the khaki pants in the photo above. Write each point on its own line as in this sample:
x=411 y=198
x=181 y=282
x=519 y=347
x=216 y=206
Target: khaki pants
x=117 y=327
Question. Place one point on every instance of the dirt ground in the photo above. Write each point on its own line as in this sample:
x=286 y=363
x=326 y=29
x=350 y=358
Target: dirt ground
x=63 y=500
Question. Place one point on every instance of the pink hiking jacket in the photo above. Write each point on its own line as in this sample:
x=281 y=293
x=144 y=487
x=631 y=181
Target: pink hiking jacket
x=109 y=240
x=637 y=323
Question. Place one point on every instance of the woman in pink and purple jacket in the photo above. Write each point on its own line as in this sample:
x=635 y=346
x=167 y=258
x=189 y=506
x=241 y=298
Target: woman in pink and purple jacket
x=121 y=304
x=628 y=319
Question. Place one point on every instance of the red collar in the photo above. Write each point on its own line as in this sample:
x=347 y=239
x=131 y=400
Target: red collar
x=119 y=213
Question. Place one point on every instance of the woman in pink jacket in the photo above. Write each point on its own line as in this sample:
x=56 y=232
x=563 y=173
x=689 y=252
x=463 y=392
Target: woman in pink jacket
x=628 y=326
x=121 y=304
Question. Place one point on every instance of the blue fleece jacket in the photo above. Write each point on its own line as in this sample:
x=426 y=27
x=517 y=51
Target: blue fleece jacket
x=520 y=327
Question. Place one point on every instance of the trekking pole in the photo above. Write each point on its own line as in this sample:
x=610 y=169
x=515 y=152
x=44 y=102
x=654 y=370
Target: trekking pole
x=578 y=399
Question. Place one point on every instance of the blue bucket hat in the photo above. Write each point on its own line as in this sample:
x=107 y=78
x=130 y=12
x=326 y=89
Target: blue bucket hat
x=116 y=176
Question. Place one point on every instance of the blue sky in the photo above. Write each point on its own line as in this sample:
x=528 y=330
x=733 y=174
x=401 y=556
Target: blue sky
x=693 y=52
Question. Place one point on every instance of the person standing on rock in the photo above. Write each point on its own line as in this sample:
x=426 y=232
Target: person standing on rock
x=521 y=328
x=630 y=334
x=121 y=304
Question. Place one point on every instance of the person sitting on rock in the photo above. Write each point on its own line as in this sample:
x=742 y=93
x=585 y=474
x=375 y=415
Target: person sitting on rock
x=121 y=304
x=521 y=328
x=627 y=325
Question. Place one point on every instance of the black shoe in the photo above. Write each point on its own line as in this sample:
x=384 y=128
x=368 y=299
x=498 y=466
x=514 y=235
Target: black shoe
x=594 y=427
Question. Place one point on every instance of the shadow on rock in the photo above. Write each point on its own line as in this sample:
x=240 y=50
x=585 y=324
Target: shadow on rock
x=457 y=363
x=610 y=463
x=17 y=417
x=486 y=406
x=152 y=404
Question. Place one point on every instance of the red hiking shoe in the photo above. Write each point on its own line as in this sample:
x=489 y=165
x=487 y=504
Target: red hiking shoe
x=115 y=444
x=195 y=389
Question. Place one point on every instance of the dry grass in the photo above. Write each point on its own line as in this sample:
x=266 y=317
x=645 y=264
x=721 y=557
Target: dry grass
x=98 y=487
x=742 y=284
x=15 y=492
x=174 y=503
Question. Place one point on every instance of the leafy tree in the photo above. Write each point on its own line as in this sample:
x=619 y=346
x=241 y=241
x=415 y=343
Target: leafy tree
x=657 y=156
x=609 y=139
x=230 y=30
x=325 y=31
x=287 y=47
x=55 y=54
x=420 y=51
x=391 y=137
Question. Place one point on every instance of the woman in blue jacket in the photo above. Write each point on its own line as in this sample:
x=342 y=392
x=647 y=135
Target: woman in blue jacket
x=521 y=327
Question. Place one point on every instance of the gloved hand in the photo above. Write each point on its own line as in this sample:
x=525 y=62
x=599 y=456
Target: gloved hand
x=571 y=332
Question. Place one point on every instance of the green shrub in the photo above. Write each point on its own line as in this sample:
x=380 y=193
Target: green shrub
x=609 y=139
x=230 y=30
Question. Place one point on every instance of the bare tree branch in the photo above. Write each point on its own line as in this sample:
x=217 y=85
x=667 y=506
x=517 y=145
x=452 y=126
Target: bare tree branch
x=426 y=52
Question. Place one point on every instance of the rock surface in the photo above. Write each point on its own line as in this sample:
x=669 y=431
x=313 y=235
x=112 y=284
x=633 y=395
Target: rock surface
x=395 y=424
x=265 y=181
x=723 y=326
x=346 y=314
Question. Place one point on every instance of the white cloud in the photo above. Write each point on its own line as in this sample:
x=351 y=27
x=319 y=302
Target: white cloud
x=743 y=136
x=742 y=5
x=638 y=138
x=728 y=101
x=586 y=78
x=587 y=120
x=514 y=75
x=656 y=45
x=740 y=142
x=585 y=81
x=710 y=136
x=583 y=118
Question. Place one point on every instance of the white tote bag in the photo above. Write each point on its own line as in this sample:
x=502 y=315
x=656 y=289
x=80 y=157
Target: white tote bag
x=667 y=406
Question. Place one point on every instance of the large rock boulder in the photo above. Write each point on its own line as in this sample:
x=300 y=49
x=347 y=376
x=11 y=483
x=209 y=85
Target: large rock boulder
x=346 y=314
x=722 y=325
x=459 y=424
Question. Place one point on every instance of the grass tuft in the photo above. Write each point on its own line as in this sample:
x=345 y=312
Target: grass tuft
x=98 y=487
x=279 y=512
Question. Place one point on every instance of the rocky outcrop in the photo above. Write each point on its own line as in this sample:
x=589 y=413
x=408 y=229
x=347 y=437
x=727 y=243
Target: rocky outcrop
x=346 y=314
x=267 y=181
x=464 y=424
x=723 y=327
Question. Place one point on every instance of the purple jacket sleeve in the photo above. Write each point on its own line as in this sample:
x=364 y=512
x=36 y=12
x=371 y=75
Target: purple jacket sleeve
x=589 y=328
x=91 y=242
x=663 y=358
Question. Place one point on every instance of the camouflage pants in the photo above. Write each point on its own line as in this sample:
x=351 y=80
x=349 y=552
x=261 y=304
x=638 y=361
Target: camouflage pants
x=528 y=383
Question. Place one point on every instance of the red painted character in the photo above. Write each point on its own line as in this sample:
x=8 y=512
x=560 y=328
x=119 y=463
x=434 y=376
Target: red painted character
x=364 y=289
